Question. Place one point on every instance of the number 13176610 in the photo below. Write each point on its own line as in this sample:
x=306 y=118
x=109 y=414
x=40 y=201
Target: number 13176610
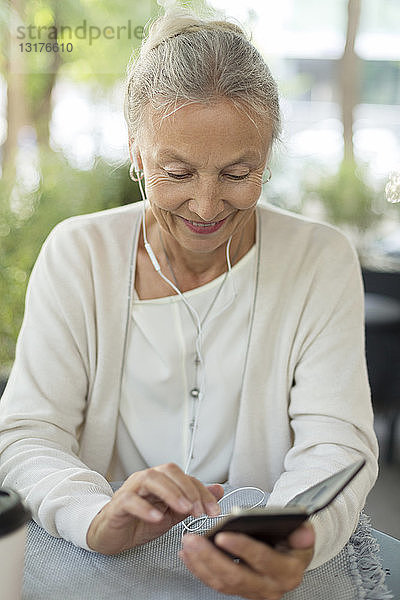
x=45 y=47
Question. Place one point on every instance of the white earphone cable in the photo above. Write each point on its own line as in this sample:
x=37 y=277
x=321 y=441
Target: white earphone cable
x=201 y=520
x=193 y=312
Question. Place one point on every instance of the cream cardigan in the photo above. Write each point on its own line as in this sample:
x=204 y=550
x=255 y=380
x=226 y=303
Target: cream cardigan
x=305 y=405
x=160 y=368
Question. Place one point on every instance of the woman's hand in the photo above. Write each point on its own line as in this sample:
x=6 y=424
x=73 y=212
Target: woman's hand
x=148 y=504
x=266 y=574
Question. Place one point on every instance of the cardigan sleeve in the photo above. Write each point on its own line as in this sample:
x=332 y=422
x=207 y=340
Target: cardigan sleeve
x=43 y=407
x=329 y=408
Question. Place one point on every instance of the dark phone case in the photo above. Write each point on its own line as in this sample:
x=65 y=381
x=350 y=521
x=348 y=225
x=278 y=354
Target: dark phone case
x=270 y=529
x=273 y=525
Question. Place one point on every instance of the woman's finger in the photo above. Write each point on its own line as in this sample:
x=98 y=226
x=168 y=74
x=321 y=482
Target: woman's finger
x=208 y=499
x=217 y=490
x=135 y=506
x=284 y=569
x=202 y=499
x=180 y=492
x=302 y=537
x=153 y=482
x=186 y=484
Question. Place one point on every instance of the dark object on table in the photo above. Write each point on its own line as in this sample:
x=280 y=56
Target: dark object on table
x=273 y=525
x=14 y=516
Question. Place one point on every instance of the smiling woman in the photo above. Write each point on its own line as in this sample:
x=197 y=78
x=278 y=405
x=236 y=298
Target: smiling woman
x=201 y=193
x=192 y=337
x=223 y=120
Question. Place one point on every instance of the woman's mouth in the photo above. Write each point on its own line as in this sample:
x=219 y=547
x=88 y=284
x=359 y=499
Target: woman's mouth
x=201 y=227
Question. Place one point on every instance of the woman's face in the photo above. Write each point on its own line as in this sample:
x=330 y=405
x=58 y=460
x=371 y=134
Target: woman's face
x=203 y=168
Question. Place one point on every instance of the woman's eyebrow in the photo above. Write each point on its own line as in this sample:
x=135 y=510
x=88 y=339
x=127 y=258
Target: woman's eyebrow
x=169 y=153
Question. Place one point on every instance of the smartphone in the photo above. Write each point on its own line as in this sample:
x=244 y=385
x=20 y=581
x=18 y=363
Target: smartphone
x=273 y=525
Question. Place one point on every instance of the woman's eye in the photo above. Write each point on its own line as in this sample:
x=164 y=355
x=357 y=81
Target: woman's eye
x=178 y=175
x=238 y=177
x=186 y=175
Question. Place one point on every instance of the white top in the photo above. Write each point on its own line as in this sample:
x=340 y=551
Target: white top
x=158 y=400
x=305 y=409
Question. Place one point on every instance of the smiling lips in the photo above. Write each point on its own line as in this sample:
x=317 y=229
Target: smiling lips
x=203 y=228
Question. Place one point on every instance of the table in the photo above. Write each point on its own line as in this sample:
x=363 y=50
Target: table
x=390 y=554
x=58 y=570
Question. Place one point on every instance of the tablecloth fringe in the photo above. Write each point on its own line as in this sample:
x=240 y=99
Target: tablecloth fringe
x=365 y=565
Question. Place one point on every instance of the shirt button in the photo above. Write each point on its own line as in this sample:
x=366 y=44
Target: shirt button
x=194 y=393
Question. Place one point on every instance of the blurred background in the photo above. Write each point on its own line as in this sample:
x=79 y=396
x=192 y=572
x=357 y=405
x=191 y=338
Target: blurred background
x=63 y=148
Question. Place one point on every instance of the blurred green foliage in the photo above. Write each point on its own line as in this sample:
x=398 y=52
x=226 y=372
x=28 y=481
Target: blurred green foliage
x=26 y=218
x=348 y=199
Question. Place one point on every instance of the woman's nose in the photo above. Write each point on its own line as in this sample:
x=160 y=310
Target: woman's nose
x=206 y=202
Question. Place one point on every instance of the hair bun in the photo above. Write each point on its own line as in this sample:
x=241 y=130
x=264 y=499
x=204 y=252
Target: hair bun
x=197 y=57
x=177 y=20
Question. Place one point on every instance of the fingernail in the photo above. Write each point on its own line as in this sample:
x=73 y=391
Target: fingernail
x=155 y=514
x=213 y=509
x=220 y=539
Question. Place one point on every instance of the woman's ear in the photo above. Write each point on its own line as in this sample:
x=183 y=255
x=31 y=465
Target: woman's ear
x=136 y=159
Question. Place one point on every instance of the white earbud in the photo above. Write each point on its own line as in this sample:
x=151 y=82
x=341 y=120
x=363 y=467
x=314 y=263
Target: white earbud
x=135 y=163
x=149 y=249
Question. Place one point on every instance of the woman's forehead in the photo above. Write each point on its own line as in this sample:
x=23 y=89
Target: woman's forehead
x=219 y=128
x=172 y=154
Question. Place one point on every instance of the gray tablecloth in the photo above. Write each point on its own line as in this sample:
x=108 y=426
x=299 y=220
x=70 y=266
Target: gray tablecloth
x=58 y=570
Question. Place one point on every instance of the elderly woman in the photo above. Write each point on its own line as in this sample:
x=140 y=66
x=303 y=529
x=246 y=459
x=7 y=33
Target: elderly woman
x=196 y=340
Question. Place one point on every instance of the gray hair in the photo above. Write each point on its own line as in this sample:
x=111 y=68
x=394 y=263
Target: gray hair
x=186 y=59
